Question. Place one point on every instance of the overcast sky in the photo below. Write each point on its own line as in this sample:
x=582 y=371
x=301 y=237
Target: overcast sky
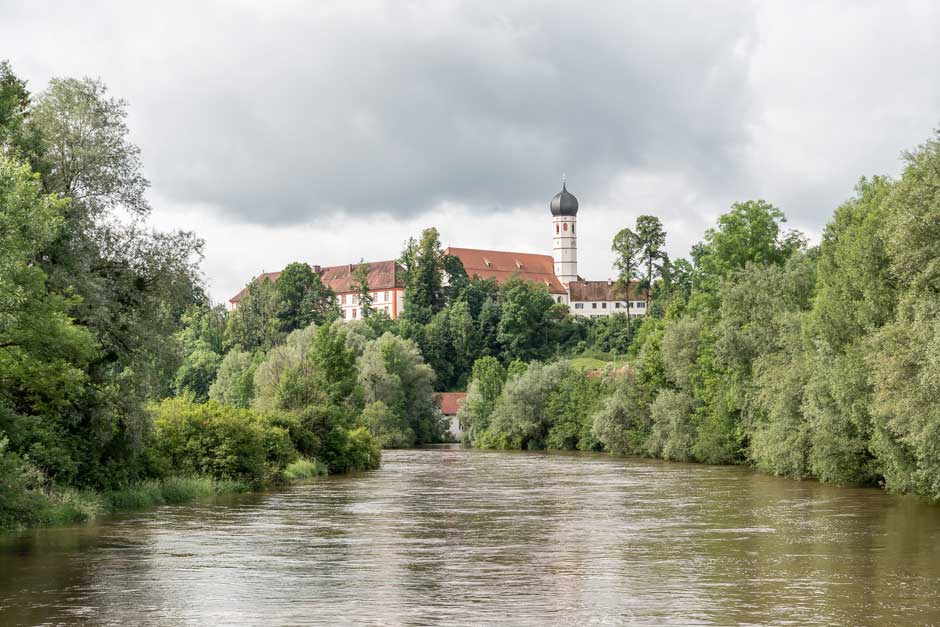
x=331 y=131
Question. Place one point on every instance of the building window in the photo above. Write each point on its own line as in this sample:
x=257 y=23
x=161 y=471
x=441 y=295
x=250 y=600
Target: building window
x=572 y=228
x=342 y=313
x=354 y=314
x=565 y=226
x=641 y=305
x=579 y=305
x=616 y=305
x=556 y=228
x=593 y=305
x=603 y=305
x=386 y=297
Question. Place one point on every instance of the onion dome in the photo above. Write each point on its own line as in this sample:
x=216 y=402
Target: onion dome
x=564 y=203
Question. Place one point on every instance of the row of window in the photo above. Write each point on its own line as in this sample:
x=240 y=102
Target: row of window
x=638 y=304
x=565 y=225
x=353 y=299
x=355 y=312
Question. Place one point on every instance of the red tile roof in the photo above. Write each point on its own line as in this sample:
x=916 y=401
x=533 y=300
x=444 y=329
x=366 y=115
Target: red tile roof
x=602 y=291
x=450 y=402
x=340 y=279
x=502 y=265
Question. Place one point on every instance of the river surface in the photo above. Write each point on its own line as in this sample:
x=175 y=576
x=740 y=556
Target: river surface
x=462 y=537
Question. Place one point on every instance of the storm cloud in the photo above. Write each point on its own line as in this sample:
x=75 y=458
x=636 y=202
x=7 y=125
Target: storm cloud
x=319 y=116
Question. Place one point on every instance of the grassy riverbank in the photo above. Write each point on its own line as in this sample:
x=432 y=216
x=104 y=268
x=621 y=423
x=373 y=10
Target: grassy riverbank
x=56 y=507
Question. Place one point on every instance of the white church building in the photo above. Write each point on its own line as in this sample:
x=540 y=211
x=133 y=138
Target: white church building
x=558 y=272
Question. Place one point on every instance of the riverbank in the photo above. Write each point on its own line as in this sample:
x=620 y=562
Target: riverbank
x=69 y=506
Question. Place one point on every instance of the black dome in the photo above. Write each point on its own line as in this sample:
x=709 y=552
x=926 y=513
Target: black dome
x=564 y=203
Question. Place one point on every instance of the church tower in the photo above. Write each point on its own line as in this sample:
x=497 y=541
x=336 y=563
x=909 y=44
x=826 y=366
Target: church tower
x=564 y=208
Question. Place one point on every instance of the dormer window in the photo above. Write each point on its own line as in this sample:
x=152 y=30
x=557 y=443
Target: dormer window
x=487 y=262
x=519 y=264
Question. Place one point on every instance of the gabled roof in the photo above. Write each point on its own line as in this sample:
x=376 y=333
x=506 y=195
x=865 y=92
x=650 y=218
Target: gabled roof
x=502 y=265
x=382 y=275
x=603 y=291
x=264 y=276
x=450 y=402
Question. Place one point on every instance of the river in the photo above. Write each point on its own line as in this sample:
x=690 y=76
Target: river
x=462 y=537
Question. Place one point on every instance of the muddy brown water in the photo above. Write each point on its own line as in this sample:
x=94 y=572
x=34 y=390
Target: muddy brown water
x=450 y=536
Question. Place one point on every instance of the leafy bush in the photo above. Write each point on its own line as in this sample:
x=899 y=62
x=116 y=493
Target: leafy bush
x=215 y=440
x=304 y=468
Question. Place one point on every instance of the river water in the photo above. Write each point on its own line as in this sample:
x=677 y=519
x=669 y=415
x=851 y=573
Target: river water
x=462 y=537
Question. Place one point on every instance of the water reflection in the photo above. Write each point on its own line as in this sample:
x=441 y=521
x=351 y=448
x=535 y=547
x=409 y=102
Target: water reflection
x=456 y=537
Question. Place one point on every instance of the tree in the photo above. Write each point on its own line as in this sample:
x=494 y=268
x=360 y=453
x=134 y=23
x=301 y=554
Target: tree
x=202 y=343
x=235 y=382
x=750 y=232
x=43 y=355
x=486 y=385
x=302 y=299
x=361 y=276
x=627 y=247
x=18 y=139
x=527 y=320
x=133 y=283
x=903 y=356
x=392 y=371
x=651 y=238
x=423 y=268
x=254 y=325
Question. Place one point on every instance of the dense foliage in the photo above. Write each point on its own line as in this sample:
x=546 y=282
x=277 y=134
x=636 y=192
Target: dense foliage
x=806 y=362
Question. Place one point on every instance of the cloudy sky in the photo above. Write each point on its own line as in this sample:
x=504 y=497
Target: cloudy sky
x=330 y=131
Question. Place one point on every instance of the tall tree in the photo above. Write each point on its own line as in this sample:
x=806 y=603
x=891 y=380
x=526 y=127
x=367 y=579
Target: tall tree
x=43 y=355
x=255 y=325
x=134 y=283
x=651 y=238
x=303 y=299
x=17 y=138
x=423 y=266
x=627 y=248
x=364 y=293
x=750 y=232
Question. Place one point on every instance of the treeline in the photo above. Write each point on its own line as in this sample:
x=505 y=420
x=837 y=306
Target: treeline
x=102 y=317
x=816 y=362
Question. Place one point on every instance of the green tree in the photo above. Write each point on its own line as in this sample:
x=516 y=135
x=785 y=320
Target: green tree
x=254 y=325
x=528 y=320
x=486 y=385
x=750 y=232
x=903 y=357
x=44 y=356
x=133 y=283
x=201 y=342
x=651 y=238
x=302 y=299
x=17 y=138
x=363 y=293
x=392 y=371
x=627 y=248
x=235 y=383
x=422 y=264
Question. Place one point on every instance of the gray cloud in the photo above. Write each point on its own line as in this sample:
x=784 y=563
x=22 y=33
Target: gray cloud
x=283 y=115
x=256 y=119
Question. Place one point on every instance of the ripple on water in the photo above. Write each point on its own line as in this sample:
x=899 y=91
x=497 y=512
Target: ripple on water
x=458 y=537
